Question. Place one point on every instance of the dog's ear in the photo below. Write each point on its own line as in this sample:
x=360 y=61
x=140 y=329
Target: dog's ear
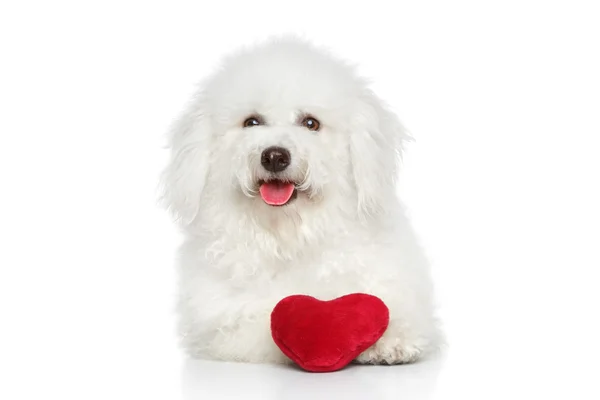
x=184 y=178
x=376 y=144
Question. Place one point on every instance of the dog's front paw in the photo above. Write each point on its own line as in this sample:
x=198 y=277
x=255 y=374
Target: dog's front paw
x=390 y=351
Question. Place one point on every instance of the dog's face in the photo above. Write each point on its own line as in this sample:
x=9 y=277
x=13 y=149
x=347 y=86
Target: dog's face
x=283 y=155
x=284 y=129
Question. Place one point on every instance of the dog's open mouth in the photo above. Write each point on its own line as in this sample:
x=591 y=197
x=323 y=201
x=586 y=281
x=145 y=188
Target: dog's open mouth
x=276 y=192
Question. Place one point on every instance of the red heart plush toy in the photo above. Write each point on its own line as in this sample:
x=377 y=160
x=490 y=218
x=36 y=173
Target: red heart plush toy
x=323 y=336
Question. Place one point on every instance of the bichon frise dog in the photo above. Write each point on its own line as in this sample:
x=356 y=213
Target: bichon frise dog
x=282 y=176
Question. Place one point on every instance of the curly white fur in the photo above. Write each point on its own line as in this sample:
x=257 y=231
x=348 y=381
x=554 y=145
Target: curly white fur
x=345 y=232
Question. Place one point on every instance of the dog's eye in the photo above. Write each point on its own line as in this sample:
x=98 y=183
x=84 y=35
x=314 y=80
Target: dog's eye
x=251 y=121
x=311 y=123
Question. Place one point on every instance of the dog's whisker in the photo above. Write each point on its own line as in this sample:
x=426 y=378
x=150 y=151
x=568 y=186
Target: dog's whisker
x=305 y=185
x=249 y=191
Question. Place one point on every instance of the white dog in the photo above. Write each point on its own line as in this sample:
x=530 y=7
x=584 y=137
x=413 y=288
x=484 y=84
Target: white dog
x=282 y=176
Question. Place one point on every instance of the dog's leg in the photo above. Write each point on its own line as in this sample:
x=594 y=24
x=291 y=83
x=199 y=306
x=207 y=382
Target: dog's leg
x=400 y=344
x=413 y=330
x=238 y=331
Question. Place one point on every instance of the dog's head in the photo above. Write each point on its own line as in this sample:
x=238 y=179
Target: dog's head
x=283 y=129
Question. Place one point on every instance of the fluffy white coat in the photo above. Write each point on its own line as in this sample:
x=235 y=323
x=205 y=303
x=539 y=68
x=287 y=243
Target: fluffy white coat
x=345 y=232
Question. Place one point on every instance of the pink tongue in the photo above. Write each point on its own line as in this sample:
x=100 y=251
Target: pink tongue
x=276 y=193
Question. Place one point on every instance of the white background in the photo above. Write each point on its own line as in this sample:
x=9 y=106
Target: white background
x=502 y=97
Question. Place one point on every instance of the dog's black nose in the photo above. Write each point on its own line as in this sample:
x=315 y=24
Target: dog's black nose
x=275 y=159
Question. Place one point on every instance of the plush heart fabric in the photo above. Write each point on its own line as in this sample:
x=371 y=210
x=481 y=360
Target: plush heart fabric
x=323 y=336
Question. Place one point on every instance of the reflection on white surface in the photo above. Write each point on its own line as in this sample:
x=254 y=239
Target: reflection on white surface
x=212 y=379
